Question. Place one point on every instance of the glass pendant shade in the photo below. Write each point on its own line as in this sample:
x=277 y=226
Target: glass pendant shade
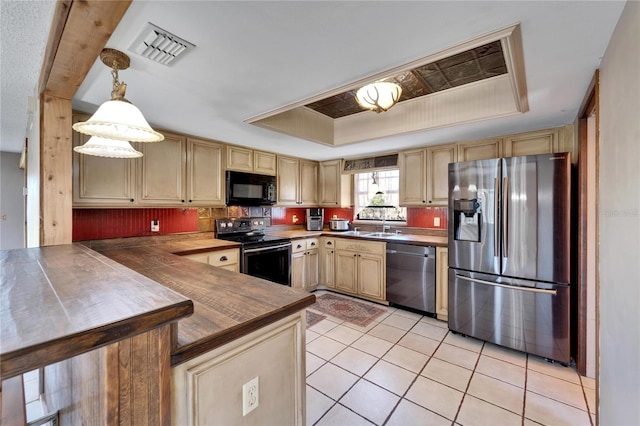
x=102 y=147
x=119 y=120
x=378 y=96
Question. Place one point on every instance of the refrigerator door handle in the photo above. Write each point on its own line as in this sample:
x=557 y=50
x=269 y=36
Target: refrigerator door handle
x=496 y=208
x=505 y=217
x=529 y=289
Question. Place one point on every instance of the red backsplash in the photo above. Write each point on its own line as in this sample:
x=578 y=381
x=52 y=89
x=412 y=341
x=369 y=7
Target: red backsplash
x=423 y=217
x=95 y=224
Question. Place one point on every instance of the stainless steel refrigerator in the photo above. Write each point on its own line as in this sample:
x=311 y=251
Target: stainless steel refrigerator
x=510 y=254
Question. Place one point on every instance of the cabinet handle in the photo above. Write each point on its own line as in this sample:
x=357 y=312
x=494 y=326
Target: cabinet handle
x=329 y=243
x=183 y=201
x=313 y=244
x=132 y=200
x=298 y=246
x=430 y=201
x=190 y=201
x=423 y=201
x=223 y=259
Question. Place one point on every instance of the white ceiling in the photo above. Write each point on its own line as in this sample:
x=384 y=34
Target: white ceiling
x=255 y=57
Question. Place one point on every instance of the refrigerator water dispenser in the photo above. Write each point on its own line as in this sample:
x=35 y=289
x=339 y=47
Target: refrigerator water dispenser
x=467 y=220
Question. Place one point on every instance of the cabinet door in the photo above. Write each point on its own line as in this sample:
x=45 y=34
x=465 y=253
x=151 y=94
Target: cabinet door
x=99 y=180
x=162 y=171
x=327 y=267
x=334 y=188
x=298 y=270
x=412 y=178
x=308 y=183
x=532 y=143
x=205 y=182
x=264 y=163
x=371 y=282
x=479 y=150
x=346 y=271
x=438 y=159
x=239 y=159
x=442 y=283
x=312 y=272
x=287 y=181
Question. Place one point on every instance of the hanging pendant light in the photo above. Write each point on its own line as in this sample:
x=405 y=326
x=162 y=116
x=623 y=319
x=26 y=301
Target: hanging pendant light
x=117 y=119
x=379 y=96
x=111 y=148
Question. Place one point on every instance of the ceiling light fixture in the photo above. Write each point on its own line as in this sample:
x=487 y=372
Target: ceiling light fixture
x=379 y=96
x=117 y=119
x=112 y=148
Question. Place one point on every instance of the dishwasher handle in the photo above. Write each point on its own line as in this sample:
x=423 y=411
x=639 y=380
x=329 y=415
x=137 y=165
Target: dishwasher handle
x=404 y=253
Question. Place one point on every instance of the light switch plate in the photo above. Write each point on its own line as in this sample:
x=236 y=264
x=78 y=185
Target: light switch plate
x=436 y=221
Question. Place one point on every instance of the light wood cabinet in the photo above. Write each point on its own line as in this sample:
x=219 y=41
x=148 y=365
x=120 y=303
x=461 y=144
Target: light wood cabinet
x=413 y=177
x=424 y=175
x=327 y=262
x=480 y=150
x=360 y=268
x=305 y=263
x=297 y=182
x=334 y=188
x=225 y=259
x=99 y=181
x=208 y=389
x=205 y=178
x=531 y=143
x=250 y=161
x=438 y=159
x=161 y=180
x=442 y=283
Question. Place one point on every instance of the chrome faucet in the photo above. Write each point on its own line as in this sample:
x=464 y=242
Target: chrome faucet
x=384 y=225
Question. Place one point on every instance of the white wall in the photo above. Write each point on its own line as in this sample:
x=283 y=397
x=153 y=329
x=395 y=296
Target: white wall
x=11 y=202
x=33 y=175
x=619 y=211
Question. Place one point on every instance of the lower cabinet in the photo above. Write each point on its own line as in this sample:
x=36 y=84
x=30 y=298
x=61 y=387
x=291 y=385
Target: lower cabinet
x=442 y=283
x=225 y=259
x=208 y=389
x=327 y=262
x=305 y=264
x=360 y=268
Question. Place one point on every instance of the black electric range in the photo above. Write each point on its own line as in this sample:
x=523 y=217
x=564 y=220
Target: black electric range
x=261 y=255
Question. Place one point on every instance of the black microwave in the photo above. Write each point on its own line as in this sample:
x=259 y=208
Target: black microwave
x=250 y=189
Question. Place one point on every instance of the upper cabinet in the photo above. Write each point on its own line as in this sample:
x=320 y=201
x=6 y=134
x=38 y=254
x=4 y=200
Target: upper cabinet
x=334 y=188
x=424 y=175
x=99 y=181
x=178 y=171
x=531 y=143
x=438 y=159
x=480 y=150
x=205 y=175
x=297 y=182
x=251 y=161
x=161 y=180
x=413 y=177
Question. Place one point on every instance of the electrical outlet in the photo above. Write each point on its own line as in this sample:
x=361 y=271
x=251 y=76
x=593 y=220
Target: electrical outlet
x=436 y=221
x=250 y=396
x=155 y=226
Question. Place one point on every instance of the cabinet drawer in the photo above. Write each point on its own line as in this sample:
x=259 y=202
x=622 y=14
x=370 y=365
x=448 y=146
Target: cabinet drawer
x=298 y=246
x=372 y=247
x=223 y=257
x=328 y=243
x=313 y=243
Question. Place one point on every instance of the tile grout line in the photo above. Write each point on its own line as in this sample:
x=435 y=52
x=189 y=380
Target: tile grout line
x=464 y=394
x=526 y=378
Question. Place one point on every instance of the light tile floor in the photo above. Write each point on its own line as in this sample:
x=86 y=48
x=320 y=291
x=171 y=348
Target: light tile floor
x=408 y=369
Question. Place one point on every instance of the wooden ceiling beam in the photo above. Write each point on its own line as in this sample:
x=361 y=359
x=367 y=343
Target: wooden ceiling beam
x=79 y=32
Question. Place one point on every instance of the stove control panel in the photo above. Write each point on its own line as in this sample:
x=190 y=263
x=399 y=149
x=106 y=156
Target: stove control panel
x=241 y=225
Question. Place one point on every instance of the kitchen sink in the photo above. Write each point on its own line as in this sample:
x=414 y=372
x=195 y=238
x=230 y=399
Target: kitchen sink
x=381 y=234
x=352 y=233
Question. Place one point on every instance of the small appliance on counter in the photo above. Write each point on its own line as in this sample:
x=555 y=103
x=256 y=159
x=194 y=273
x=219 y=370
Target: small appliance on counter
x=315 y=219
x=338 y=224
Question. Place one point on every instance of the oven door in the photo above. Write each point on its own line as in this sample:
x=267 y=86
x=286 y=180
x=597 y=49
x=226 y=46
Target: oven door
x=271 y=263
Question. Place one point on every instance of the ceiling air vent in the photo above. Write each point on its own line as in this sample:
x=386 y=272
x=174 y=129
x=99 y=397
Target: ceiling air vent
x=159 y=45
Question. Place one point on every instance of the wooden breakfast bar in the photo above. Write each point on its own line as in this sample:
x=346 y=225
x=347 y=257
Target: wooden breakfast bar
x=133 y=333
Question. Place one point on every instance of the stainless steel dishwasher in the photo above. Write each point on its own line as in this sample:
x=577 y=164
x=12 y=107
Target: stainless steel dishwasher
x=411 y=276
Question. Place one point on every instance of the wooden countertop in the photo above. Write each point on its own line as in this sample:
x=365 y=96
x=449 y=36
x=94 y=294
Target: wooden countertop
x=423 y=240
x=61 y=301
x=227 y=304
